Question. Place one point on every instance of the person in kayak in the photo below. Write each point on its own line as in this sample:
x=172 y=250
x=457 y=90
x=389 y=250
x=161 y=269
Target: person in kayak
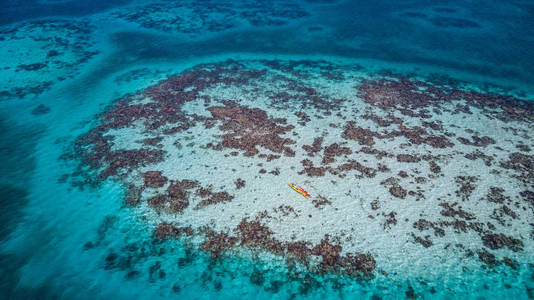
x=300 y=190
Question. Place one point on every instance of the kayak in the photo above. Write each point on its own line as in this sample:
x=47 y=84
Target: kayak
x=300 y=190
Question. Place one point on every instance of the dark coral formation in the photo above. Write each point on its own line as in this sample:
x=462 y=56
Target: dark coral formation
x=315 y=147
x=359 y=265
x=334 y=150
x=363 y=136
x=216 y=198
x=415 y=98
x=127 y=160
x=455 y=211
x=254 y=235
x=416 y=135
x=320 y=202
x=165 y=231
x=397 y=191
x=477 y=141
x=217 y=243
x=239 y=183
x=154 y=179
x=523 y=165
x=466 y=186
x=423 y=224
x=477 y=154
x=488 y=258
x=249 y=128
x=407 y=158
x=497 y=241
x=425 y=242
x=175 y=199
x=151 y=141
x=434 y=167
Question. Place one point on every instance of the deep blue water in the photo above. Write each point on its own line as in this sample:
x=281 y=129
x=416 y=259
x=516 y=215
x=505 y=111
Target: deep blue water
x=492 y=42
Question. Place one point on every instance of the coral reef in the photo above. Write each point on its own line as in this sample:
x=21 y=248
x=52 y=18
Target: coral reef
x=387 y=153
x=47 y=52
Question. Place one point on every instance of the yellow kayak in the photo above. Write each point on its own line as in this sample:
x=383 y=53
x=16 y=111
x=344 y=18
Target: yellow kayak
x=300 y=190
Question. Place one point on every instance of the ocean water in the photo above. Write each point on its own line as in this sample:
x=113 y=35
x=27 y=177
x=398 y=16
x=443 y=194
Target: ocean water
x=434 y=193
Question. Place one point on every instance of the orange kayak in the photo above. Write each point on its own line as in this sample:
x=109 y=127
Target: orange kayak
x=300 y=190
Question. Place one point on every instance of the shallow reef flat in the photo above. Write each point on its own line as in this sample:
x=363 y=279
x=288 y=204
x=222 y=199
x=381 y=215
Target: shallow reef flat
x=42 y=53
x=405 y=174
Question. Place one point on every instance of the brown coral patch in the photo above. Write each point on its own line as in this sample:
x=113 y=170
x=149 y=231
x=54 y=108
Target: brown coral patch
x=466 y=186
x=528 y=196
x=425 y=242
x=522 y=164
x=397 y=191
x=363 y=136
x=303 y=118
x=154 y=179
x=256 y=235
x=330 y=253
x=300 y=250
x=163 y=110
x=215 y=198
x=185 y=184
x=128 y=159
x=151 y=141
x=413 y=98
x=403 y=95
x=377 y=153
x=178 y=197
x=217 y=243
x=334 y=150
x=488 y=258
x=315 y=147
x=497 y=241
x=434 y=167
x=310 y=170
x=477 y=141
x=246 y=129
x=479 y=155
x=418 y=135
x=239 y=183
x=403 y=174
x=360 y=265
x=203 y=192
x=455 y=211
x=321 y=201
x=496 y=195
x=354 y=165
x=382 y=122
x=408 y=158
x=165 y=231
x=354 y=265
x=423 y=224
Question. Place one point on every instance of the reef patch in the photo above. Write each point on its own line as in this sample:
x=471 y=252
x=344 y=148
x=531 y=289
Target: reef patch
x=209 y=152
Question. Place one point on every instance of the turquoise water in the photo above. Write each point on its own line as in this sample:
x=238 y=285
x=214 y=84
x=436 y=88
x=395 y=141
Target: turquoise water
x=63 y=239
